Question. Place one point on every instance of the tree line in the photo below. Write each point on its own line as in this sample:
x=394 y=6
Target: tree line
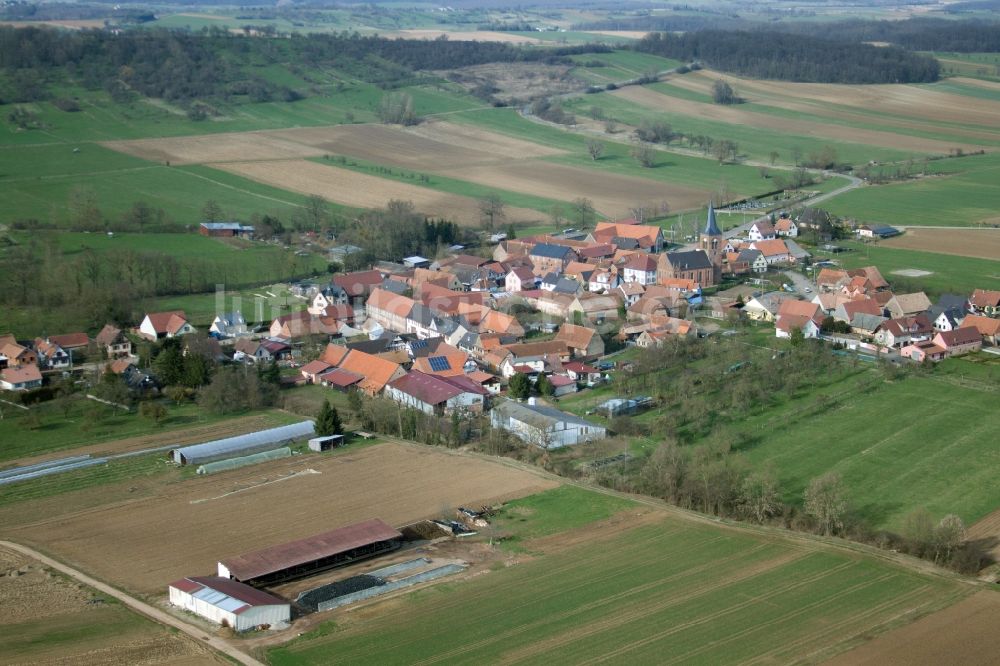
x=791 y=57
x=183 y=67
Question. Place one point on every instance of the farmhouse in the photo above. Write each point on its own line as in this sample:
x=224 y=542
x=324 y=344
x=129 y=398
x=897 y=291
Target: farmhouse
x=922 y=351
x=437 y=395
x=985 y=302
x=647 y=237
x=547 y=258
x=51 y=355
x=988 y=328
x=786 y=227
x=774 y=250
x=902 y=305
x=762 y=230
x=225 y=230
x=640 y=268
x=545 y=427
x=520 y=279
x=960 y=341
x=296 y=559
x=229 y=603
x=14 y=355
x=583 y=342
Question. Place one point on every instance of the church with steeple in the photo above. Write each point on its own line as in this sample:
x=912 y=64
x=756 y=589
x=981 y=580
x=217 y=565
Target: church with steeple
x=704 y=264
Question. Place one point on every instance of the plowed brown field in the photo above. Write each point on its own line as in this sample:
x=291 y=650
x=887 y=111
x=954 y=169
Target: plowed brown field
x=236 y=146
x=982 y=243
x=987 y=530
x=38 y=605
x=737 y=116
x=183 y=528
x=363 y=191
x=965 y=633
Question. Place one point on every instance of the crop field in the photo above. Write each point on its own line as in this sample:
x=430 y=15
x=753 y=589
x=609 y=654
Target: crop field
x=959 y=275
x=638 y=588
x=798 y=124
x=918 y=442
x=911 y=111
x=981 y=243
x=41 y=182
x=461 y=153
x=962 y=633
x=123 y=536
x=49 y=619
x=979 y=65
x=965 y=192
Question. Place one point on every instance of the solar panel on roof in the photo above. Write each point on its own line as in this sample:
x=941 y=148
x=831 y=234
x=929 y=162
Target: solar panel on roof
x=438 y=363
x=418 y=344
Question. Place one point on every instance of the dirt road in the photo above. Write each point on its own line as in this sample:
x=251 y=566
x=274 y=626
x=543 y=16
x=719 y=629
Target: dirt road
x=139 y=606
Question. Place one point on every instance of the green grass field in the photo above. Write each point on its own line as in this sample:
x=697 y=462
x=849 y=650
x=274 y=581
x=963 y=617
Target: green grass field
x=917 y=442
x=963 y=192
x=40 y=182
x=975 y=65
x=668 y=592
x=62 y=431
x=949 y=273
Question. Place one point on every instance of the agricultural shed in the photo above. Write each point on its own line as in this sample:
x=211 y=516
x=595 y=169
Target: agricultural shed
x=251 y=442
x=325 y=443
x=228 y=602
x=312 y=554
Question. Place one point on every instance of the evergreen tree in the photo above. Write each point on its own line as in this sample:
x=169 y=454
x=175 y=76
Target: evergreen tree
x=328 y=421
x=519 y=386
x=545 y=386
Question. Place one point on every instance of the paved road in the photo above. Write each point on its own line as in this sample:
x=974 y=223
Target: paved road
x=141 y=607
x=800 y=282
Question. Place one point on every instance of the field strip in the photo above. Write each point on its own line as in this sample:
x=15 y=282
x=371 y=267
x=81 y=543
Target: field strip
x=241 y=190
x=360 y=190
x=619 y=619
x=900 y=102
x=730 y=609
x=664 y=103
x=256 y=486
x=963 y=242
x=836 y=631
x=155 y=614
x=803 y=610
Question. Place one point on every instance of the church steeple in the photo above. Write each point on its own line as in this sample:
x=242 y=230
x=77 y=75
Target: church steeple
x=711 y=228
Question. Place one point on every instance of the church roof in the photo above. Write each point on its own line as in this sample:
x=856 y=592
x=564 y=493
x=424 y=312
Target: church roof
x=711 y=228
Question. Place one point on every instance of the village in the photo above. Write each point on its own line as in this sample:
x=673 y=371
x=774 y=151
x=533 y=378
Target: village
x=543 y=316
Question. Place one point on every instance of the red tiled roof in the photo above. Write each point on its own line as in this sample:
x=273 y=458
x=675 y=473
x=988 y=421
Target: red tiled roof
x=163 y=322
x=314 y=367
x=21 y=374
x=359 y=283
x=277 y=558
x=960 y=336
x=70 y=340
x=341 y=378
x=984 y=298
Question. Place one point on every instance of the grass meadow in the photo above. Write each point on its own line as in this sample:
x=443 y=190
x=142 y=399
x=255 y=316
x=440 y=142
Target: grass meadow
x=961 y=192
x=922 y=441
x=668 y=591
x=949 y=273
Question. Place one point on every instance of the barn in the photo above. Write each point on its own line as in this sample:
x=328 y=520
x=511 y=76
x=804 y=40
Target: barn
x=225 y=229
x=242 y=445
x=229 y=603
x=307 y=556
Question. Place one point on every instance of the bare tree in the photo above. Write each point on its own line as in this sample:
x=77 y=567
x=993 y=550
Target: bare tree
x=583 y=209
x=774 y=155
x=725 y=150
x=826 y=502
x=491 y=210
x=610 y=126
x=557 y=214
x=211 y=211
x=948 y=536
x=760 y=496
x=644 y=155
x=595 y=149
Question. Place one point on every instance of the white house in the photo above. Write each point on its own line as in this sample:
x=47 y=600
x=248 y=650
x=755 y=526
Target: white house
x=761 y=230
x=158 y=325
x=774 y=251
x=786 y=227
x=20 y=378
x=640 y=268
x=519 y=279
x=229 y=603
x=331 y=294
x=229 y=325
x=545 y=427
x=603 y=280
x=434 y=394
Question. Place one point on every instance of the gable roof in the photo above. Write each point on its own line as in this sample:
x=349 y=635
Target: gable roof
x=538 y=416
x=872 y=273
x=689 y=260
x=523 y=349
x=763 y=227
x=641 y=262
x=574 y=336
x=796 y=308
x=524 y=274
x=21 y=374
x=912 y=303
x=866 y=305
x=334 y=354
x=960 y=336
x=985 y=298
x=241 y=597
x=70 y=340
x=167 y=322
x=444 y=365
x=645 y=235
x=387 y=301
x=771 y=248
x=316 y=367
x=985 y=325
x=784 y=224
x=358 y=283
x=376 y=371
x=830 y=276
x=596 y=251
x=434 y=390
x=550 y=251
